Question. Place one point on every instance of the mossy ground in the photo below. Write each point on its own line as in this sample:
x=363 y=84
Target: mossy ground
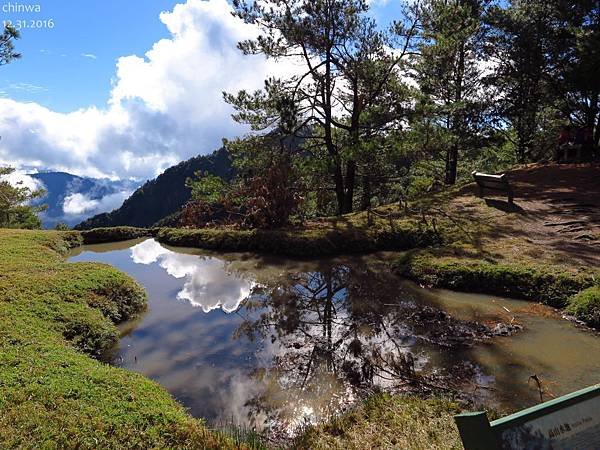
x=53 y=394
x=309 y=242
x=537 y=282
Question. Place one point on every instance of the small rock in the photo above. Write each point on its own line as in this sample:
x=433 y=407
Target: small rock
x=506 y=329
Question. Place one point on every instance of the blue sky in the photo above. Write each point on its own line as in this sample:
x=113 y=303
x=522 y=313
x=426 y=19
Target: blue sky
x=53 y=70
x=71 y=65
x=117 y=89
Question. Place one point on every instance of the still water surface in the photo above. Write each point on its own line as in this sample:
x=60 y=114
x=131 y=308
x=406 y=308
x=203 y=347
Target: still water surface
x=271 y=342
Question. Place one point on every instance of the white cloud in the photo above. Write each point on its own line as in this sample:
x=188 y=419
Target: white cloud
x=81 y=204
x=164 y=107
x=27 y=87
x=19 y=178
x=77 y=204
x=147 y=252
x=89 y=55
x=208 y=284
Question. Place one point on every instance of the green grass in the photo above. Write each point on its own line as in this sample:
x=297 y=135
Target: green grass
x=114 y=234
x=384 y=421
x=312 y=241
x=552 y=285
x=54 y=316
x=546 y=284
x=586 y=306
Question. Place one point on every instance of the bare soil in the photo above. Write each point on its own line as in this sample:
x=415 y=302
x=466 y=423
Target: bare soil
x=555 y=217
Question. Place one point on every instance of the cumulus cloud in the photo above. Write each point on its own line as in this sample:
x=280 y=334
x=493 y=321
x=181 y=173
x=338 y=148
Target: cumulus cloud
x=164 y=106
x=79 y=204
x=147 y=252
x=19 y=178
x=208 y=284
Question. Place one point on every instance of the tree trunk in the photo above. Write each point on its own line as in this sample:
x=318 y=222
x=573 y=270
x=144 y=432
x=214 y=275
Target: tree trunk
x=458 y=127
x=451 y=164
x=595 y=122
x=522 y=137
x=350 y=183
x=365 y=202
x=339 y=186
x=354 y=131
x=329 y=144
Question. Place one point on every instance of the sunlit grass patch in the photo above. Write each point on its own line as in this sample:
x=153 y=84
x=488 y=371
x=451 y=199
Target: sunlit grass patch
x=384 y=421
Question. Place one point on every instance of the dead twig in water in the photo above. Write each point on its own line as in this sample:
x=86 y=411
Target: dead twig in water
x=538 y=382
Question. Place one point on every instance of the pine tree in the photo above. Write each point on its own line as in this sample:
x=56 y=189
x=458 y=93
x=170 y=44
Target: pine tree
x=450 y=72
x=347 y=77
x=7 y=48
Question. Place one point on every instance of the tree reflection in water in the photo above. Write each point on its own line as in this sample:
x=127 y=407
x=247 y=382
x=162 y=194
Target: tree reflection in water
x=337 y=333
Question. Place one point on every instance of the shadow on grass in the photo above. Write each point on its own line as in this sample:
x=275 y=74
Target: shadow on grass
x=504 y=206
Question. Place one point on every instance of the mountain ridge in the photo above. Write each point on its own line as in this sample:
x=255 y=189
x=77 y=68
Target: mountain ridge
x=71 y=198
x=164 y=195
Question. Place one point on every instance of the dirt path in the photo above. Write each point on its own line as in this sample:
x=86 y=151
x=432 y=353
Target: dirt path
x=555 y=217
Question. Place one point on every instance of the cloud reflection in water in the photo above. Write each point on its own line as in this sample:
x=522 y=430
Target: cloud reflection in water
x=209 y=284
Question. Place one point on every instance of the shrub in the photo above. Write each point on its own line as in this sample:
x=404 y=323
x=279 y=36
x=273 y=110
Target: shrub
x=267 y=199
x=114 y=234
x=586 y=306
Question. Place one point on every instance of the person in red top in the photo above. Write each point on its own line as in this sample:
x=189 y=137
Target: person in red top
x=564 y=140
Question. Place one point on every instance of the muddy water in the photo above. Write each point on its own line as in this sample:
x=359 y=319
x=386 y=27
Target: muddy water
x=276 y=343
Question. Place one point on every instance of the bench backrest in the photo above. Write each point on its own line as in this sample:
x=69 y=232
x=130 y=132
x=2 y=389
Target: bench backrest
x=491 y=181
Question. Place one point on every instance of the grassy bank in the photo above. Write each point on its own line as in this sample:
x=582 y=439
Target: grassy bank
x=383 y=421
x=586 y=306
x=327 y=239
x=577 y=291
x=53 y=394
x=116 y=234
x=547 y=284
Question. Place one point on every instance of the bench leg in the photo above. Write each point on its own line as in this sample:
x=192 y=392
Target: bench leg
x=480 y=191
x=511 y=197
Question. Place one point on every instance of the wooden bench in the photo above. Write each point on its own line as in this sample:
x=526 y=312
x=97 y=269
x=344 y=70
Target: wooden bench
x=494 y=183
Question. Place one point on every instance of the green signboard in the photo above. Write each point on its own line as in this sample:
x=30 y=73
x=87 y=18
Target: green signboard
x=571 y=422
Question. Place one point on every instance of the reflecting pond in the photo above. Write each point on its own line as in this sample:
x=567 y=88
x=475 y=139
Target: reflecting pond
x=276 y=343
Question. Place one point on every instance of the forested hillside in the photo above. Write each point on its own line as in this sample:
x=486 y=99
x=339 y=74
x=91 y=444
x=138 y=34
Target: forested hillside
x=164 y=195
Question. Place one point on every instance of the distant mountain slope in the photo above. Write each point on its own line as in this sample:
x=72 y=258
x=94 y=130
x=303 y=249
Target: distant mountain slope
x=70 y=198
x=163 y=196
